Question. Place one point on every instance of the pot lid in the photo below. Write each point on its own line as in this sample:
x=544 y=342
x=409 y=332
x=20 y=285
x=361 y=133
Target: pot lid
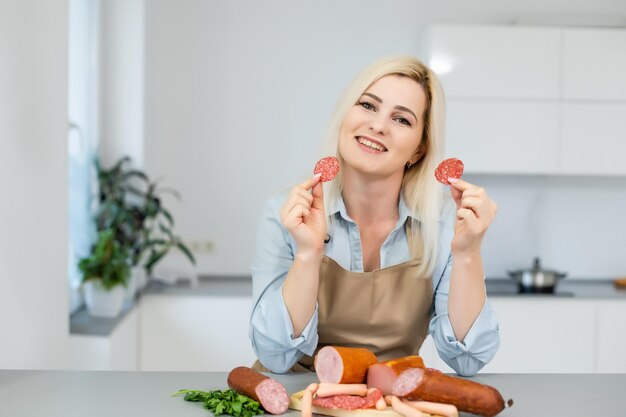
x=536 y=268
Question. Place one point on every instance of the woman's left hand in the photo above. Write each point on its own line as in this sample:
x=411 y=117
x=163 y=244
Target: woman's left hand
x=474 y=213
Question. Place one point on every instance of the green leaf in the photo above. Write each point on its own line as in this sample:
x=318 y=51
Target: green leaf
x=168 y=216
x=224 y=402
x=186 y=251
x=154 y=258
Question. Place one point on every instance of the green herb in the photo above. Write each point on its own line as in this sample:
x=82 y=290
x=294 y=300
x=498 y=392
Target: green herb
x=223 y=402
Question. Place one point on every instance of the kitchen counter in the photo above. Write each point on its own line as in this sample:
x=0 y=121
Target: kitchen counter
x=578 y=288
x=137 y=394
x=81 y=323
x=241 y=285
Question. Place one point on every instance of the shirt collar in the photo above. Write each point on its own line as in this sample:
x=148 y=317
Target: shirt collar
x=403 y=210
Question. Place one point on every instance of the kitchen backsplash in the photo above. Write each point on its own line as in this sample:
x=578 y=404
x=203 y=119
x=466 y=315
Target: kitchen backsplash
x=575 y=225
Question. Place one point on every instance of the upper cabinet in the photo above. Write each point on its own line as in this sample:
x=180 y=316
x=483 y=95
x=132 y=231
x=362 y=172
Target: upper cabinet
x=594 y=64
x=533 y=100
x=496 y=61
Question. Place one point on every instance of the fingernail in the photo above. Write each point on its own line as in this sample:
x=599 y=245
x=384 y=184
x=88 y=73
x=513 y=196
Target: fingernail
x=319 y=174
x=453 y=180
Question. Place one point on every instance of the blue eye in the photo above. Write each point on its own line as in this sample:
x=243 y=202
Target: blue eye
x=403 y=121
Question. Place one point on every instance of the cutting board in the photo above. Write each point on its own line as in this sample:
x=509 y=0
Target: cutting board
x=295 y=403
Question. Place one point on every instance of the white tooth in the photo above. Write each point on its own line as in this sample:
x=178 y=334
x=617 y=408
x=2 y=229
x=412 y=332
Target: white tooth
x=371 y=144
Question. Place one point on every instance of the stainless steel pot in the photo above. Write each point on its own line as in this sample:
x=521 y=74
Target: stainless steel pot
x=536 y=279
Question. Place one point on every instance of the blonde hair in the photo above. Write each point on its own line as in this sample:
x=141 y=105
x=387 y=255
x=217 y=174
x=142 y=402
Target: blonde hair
x=422 y=194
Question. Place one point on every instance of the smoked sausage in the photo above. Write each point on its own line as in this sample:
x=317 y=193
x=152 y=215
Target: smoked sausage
x=468 y=396
x=343 y=365
x=270 y=393
x=382 y=375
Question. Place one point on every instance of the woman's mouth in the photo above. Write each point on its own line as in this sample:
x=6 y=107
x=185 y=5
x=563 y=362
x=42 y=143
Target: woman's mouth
x=370 y=145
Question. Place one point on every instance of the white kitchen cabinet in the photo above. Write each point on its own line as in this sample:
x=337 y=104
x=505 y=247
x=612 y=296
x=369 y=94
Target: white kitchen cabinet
x=117 y=351
x=594 y=64
x=537 y=335
x=533 y=100
x=496 y=61
x=544 y=335
x=594 y=138
x=188 y=333
x=503 y=136
x=611 y=337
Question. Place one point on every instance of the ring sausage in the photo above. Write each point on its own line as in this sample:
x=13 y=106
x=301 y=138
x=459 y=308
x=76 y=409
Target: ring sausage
x=270 y=393
x=428 y=385
x=382 y=375
x=343 y=365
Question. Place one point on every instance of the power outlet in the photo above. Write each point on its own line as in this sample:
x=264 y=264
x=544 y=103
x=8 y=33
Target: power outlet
x=201 y=246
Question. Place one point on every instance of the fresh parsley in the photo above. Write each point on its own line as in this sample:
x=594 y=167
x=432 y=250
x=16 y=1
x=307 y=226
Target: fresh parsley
x=223 y=402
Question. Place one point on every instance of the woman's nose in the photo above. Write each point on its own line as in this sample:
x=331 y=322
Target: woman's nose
x=378 y=124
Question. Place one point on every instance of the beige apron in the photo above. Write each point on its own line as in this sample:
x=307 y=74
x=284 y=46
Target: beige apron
x=386 y=310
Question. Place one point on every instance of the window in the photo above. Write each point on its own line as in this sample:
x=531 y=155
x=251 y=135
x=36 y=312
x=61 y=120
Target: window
x=82 y=136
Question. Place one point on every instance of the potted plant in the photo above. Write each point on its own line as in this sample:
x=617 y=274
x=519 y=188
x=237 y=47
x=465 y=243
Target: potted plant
x=131 y=205
x=105 y=274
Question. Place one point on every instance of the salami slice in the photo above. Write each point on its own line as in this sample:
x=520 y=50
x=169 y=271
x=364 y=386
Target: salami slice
x=349 y=402
x=449 y=168
x=329 y=167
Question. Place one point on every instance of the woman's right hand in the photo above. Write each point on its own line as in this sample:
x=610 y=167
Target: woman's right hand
x=304 y=216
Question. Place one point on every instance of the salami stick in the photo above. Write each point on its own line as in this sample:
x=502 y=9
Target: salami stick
x=468 y=396
x=383 y=374
x=270 y=393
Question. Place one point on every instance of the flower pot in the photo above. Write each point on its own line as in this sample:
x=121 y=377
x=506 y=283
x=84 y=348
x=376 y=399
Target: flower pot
x=103 y=303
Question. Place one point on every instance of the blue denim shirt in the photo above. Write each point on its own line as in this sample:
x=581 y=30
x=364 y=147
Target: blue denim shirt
x=271 y=331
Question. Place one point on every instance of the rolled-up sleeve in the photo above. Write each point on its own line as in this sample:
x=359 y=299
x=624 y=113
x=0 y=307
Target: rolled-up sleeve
x=483 y=338
x=271 y=330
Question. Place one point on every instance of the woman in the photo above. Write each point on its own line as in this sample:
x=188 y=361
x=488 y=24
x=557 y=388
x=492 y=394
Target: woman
x=382 y=257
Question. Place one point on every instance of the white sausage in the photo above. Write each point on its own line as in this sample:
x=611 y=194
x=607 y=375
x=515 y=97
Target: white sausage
x=312 y=388
x=381 y=404
x=327 y=389
x=307 y=404
x=404 y=409
x=440 y=409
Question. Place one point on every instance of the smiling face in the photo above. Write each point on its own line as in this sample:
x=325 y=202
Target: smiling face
x=383 y=130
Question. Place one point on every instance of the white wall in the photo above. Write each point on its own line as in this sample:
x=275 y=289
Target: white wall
x=575 y=224
x=239 y=93
x=121 y=80
x=33 y=179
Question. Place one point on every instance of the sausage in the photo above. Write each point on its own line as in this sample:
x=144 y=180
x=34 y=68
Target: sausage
x=327 y=389
x=307 y=404
x=270 y=393
x=306 y=409
x=383 y=374
x=404 y=409
x=380 y=404
x=468 y=396
x=343 y=365
x=350 y=402
x=439 y=409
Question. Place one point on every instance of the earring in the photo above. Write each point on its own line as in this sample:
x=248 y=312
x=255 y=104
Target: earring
x=409 y=165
